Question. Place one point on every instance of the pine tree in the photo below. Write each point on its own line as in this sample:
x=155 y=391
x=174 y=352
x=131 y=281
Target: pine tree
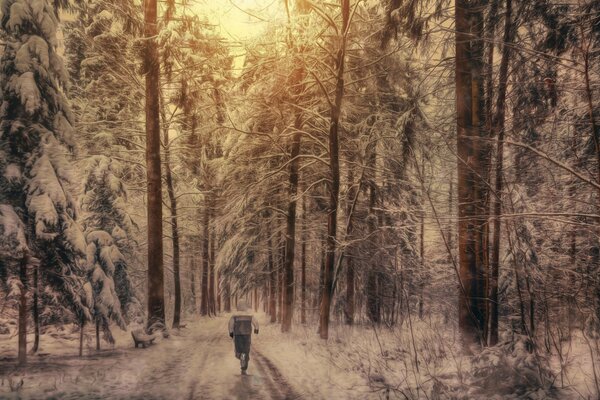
x=104 y=203
x=103 y=259
x=36 y=138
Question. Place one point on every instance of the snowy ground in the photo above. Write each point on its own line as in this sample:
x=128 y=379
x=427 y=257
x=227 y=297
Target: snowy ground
x=197 y=362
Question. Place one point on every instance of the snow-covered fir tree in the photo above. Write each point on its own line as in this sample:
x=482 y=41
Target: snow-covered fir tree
x=108 y=229
x=36 y=141
x=103 y=259
x=100 y=47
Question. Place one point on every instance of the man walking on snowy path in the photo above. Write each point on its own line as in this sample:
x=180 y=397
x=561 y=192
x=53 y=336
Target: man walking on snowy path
x=240 y=330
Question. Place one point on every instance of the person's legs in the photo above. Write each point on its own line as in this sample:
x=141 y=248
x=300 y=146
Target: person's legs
x=242 y=350
x=244 y=363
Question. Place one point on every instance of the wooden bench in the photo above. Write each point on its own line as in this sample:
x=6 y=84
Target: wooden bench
x=139 y=337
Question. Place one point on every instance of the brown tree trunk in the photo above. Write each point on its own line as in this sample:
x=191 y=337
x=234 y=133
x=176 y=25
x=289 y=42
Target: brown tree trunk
x=498 y=130
x=212 y=304
x=36 y=310
x=490 y=34
x=211 y=291
x=373 y=303
x=451 y=212
x=349 y=310
x=334 y=187
x=205 y=257
x=97 y=334
x=156 y=301
x=193 y=283
x=297 y=86
x=290 y=237
x=227 y=300
x=265 y=293
x=319 y=296
x=218 y=291
x=174 y=222
x=281 y=293
x=81 y=327
x=273 y=285
x=22 y=355
x=422 y=249
x=350 y=304
x=303 y=265
x=472 y=229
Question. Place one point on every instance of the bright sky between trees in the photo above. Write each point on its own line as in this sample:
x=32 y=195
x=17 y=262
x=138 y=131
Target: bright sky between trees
x=241 y=19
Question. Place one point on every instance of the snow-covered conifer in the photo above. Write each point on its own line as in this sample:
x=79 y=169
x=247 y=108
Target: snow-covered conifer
x=106 y=218
x=37 y=139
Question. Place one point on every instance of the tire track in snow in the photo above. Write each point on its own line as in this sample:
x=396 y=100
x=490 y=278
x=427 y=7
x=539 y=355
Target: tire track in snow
x=161 y=369
x=278 y=381
x=206 y=344
x=195 y=364
x=273 y=389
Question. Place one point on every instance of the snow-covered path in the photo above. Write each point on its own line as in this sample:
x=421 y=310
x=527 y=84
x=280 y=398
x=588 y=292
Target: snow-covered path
x=195 y=363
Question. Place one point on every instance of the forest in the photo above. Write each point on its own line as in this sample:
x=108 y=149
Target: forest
x=406 y=194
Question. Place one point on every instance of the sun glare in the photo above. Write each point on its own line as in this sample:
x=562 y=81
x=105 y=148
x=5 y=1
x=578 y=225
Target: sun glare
x=241 y=20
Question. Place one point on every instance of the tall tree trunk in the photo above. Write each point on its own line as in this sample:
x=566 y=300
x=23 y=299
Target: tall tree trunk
x=193 y=283
x=471 y=171
x=498 y=131
x=174 y=222
x=297 y=85
x=303 y=265
x=36 y=310
x=156 y=300
x=97 y=334
x=282 y=288
x=490 y=34
x=290 y=237
x=256 y=299
x=205 y=257
x=211 y=283
x=349 y=310
x=451 y=212
x=265 y=293
x=422 y=251
x=319 y=296
x=373 y=304
x=81 y=327
x=211 y=291
x=334 y=165
x=218 y=291
x=273 y=285
x=227 y=294
x=22 y=355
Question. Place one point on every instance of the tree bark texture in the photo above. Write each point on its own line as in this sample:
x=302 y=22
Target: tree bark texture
x=334 y=186
x=174 y=225
x=272 y=285
x=472 y=226
x=22 y=354
x=156 y=303
x=498 y=124
x=205 y=257
x=36 y=310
